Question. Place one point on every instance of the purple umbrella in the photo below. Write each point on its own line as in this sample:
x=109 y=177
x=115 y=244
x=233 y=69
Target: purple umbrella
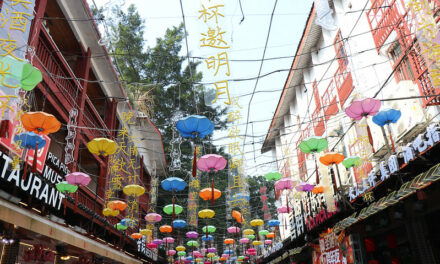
x=158 y=242
x=305 y=187
x=212 y=250
x=192 y=234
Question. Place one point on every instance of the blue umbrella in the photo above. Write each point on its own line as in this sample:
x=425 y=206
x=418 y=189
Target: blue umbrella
x=128 y=222
x=194 y=126
x=387 y=117
x=173 y=184
x=179 y=223
x=189 y=258
x=30 y=140
x=229 y=252
x=273 y=223
x=207 y=238
x=233 y=259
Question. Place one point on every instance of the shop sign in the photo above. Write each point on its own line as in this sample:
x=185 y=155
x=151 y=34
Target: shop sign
x=421 y=143
x=144 y=250
x=307 y=214
x=274 y=248
x=41 y=188
x=330 y=252
x=56 y=163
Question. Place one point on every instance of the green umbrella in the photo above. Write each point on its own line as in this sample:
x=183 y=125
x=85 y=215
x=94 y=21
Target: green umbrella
x=211 y=229
x=273 y=176
x=240 y=257
x=251 y=237
x=21 y=74
x=168 y=209
x=352 y=161
x=64 y=187
x=263 y=232
x=181 y=253
x=192 y=243
x=30 y=77
x=313 y=144
x=120 y=226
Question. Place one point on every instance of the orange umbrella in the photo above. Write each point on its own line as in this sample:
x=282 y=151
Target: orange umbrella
x=165 y=229
x=40 y=122
x=208 y=194
x=317 y=189
x=229 y=241
x=136 y=236
x=117 y=205
x=238 y=216
x=270 y=235
x=333 y=158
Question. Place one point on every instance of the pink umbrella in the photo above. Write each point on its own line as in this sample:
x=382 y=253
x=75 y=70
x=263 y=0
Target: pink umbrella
x=168 y=240
x=305 y=187
x=171 y=252
x=284 y=210
x=233 y=230
x=79 y=179
x=157 y=242
x=244 y=240
x=151 y=245
x=153 y=217
x=225 y=256
x=197 y=254
x=203 y=250
x=192 y=234
x=364 y=108
x=252 y=249
x=207 y=262
x=251 y=253
x=267 y=242
x=211 y=163
x=285 y=184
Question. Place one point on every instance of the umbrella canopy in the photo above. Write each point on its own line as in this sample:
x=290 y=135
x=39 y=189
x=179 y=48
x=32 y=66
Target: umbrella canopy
x=128 y=222
x=117 y=205
x=331 y=158
x=211 y=229
x=208 y=194
x=168 y=209
x=171 y=252
x=181 y=253
x=244 y=240
x=146 y=232
x=212 y=250
x=241 y=197
x=180 y=248
x=351 y=161
x=237 y=216
x=102 y=146
x=133 y=189
x=363 y=108
x=153 y=217
x=192 y=234
x=267 y=242
x=168 y=240
x=263 y=232
x=173 y=184
x=318 y=189
x=270 y=235
x=273 y=176
x=229 y=252
x=107 y=211
x=136 y=235
x=229 y=241
x=273 y=223
x=251 y=237
x=120 y=226
x=179 y=223
x=285 y=184
x=257 y=222
x=206 y=213
x=233 y=230
x=210 y=255
x=313 y=144
x=248 y=232
x=207 y=238
x=40 y=122
x=192 y=243
x=305 y=187
x=165 y=229
x=195 y=126
x=386 y=117
x=151 y=245
x=29 y=140
x=78 y=178
x=211 y=162
x=65 y=187
x=256 y=243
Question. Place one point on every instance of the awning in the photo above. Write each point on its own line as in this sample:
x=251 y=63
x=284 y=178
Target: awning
x=22 y=218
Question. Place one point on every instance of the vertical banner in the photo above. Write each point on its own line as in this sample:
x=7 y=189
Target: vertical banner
x=428 y=37
x=265 y=209
x=193 y=197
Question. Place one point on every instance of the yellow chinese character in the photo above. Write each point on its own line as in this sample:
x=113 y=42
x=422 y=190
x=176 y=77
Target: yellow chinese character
x=222 y=87
x=123 y=133
x=15 y=162
x=433 y=51
x=235 y=102
x=133 y=151
x=126 y=118
x=232 y=116
x=235 y=163
x=234 y=148
x=215 y=63
x=4 y=104
x=194 y=184
x=22 y=2
x=4 y=19
x=3 y=73
x=19 y=21
x=427 y=24
x=416 y=5
x=237 y=182
x=208 y=13
x=8 y=46
x=214 y=38
x=435 y=77
x=234 y=132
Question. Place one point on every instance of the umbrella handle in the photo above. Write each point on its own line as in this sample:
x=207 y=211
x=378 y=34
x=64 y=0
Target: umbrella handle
x=194 y=168
x=316 y=169
x=391 y=138
x=25 y=165
x=370 y=137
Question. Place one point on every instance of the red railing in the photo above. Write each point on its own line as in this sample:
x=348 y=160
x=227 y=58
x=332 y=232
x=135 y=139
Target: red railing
x=92 y=204
x=302 y=168
x=344 y=85
x=56 y=70
x=329 y=101
x=318 y=122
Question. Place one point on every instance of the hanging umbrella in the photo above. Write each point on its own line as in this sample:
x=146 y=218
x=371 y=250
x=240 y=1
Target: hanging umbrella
x=351 y=162
x=270 y=235
x=151 y=245
x=78 y=179
x=120 y=226
x=40 y=122
x=267 y=242
x=173 y=184
x=65 y=187
x=317 y=189
x=133 y=189
x=273 y=176
x=207 y=238
x=314 y=145
x=211 y=163
x=333 y=158
x=285 y=184
x=180 y=248
x=128 y=222
x=136 y=236
x=273 y=223
x=181 y=253
x=153 y=217
x=206 y=213
x=192 y=234
x=251 y=237
x=244 y=240
x=179 y=223
x=30 y=140
x=117 y=205
x=171 y=252
x=233 y=230
x=364 y=108
x=210 y=194
x=263 y=232
x=387 y=117
x=248 y=232
x=256 y=243
x=194 y=127
x=109 y=212
x=237 y=216
x=146 y=232
x=192 y=243
x=173 y=209
x=208 y=229
x=305 y=187
x=165 y=229
x=212 y=250
x=102 y=146
x=229 y=252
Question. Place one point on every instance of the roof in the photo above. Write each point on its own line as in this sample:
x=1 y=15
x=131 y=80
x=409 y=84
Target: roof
x=311 y=35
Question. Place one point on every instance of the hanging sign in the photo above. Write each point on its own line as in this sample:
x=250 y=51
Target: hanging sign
x=145 y=250
x=330 y=252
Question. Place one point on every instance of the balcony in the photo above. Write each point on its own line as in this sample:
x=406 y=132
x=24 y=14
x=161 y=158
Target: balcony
x=344 y=85
x=318 y=122
x=329 y=101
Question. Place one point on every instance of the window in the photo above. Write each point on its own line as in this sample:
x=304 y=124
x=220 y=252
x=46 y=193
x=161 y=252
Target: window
x=402 y=65
x=341 y=54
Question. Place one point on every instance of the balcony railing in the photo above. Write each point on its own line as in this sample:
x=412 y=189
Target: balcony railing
x=344 y=85
x=318 y=122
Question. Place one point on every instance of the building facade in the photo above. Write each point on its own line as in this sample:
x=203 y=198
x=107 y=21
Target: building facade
x=81 y=88
x=376 y=49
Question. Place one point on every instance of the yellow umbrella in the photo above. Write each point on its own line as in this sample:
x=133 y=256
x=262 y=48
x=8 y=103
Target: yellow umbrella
x=256 y=243
x=110 y=212
x=146 y=232
x=210 y=255
x=248 y=232
x=206 y=213
x=102 y=146
x=134 y=189
x=257 y=222
x=180 y=248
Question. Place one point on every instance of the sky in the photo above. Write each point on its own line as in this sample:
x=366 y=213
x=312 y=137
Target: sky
x=246 y=41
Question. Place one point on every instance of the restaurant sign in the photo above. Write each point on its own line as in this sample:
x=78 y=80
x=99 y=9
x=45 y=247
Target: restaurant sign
x=387 y=167
x=144 y=250
x=41 y=187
